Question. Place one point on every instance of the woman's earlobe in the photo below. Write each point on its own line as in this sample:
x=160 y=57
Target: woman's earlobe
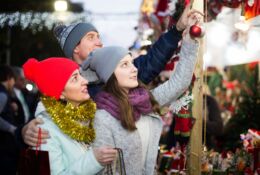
x=62 y=97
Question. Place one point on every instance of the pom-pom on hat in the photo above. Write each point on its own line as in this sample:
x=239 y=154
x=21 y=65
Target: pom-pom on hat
x=50 y=75
x=69 y=36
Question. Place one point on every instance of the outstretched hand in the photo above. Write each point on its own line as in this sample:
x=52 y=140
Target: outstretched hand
x=30 y=132
x=184 y=21
x=193 y=19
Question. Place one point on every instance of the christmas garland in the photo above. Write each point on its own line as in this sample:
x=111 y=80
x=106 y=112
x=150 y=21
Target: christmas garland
x=76 y=122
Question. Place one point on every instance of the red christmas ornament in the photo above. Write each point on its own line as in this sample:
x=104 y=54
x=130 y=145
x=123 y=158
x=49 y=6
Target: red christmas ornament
x=196 y=31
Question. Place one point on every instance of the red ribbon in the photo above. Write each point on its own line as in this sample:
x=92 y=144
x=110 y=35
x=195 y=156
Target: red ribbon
x=38 y=141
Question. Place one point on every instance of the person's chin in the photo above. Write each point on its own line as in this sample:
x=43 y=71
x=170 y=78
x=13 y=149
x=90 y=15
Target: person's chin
x=134 y=85
x=86 y=96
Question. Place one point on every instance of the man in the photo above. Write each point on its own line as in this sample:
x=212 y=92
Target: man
x=9 y=121
x=78 y=40
x=19 y=91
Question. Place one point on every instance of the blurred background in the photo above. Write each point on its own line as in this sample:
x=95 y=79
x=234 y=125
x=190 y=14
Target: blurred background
x=231 y=63
x=26 y=25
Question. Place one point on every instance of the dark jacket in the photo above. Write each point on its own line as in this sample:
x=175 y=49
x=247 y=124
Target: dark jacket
x=150 y=65
x=8 y=146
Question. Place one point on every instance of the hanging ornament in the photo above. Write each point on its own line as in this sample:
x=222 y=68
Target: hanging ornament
x=196 y=31
x=183 y=122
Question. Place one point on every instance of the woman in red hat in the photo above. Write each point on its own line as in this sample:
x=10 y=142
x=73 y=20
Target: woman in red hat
x=68 y=116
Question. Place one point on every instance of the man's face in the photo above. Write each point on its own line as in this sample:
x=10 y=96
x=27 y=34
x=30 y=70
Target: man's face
x=87 y=44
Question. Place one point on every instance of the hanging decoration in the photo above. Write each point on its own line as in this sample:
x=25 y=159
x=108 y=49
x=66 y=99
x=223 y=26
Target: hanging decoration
x=161 y=10
x=184 y=120
x=36 y=20
x=196 y=31
x=76 y=122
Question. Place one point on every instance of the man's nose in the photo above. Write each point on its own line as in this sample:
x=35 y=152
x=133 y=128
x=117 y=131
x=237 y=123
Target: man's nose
x=99 y=42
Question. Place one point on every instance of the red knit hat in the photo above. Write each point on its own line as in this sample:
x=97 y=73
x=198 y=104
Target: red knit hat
x=50 y=75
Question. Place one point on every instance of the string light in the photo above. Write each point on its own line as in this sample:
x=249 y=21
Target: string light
x=37 y=20
x=61 y=5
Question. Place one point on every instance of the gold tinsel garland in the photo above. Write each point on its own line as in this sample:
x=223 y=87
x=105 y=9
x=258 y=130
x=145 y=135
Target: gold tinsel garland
x=75 y=121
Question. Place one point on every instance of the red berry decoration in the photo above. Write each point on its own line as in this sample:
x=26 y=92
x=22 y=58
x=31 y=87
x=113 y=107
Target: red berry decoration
x=196 y=31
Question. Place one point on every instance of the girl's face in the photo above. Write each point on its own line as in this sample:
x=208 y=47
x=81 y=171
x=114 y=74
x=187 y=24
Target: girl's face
x=75 y=90
x=126 y=73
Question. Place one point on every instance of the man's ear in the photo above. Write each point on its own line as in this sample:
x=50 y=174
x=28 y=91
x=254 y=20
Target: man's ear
x=76 y=50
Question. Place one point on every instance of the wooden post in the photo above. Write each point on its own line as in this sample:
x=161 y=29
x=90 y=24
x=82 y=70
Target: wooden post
x=195 y=151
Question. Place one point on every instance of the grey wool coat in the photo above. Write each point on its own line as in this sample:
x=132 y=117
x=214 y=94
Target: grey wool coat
x=109 y=131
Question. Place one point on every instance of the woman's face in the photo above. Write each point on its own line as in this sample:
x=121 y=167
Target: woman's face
x=126 y=73
x=75 y=90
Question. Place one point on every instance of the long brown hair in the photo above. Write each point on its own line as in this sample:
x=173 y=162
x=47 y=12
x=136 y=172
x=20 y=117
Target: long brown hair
x=126 y=110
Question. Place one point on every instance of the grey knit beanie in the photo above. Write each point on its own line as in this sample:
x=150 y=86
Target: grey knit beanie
x=69 y=36
x=105 y=60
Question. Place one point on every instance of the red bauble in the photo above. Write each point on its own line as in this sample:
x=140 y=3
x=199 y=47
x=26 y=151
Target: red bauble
x=196 y=31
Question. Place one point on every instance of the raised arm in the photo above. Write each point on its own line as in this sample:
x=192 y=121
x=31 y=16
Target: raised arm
x=150 y=65
x=181 y=78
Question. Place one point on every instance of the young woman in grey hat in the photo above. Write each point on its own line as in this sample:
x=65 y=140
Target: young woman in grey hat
x=127 y=115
